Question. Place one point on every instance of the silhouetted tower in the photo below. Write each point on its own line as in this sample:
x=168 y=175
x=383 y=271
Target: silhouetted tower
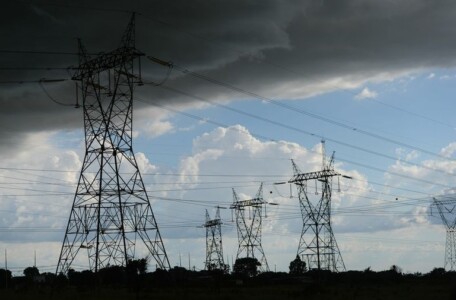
x=249 y=227
x=111 y=209
x=214 y=249
x=317 y=245
x=446 y=206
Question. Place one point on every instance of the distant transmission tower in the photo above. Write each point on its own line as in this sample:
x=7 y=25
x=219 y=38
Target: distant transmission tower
x=111 y=208
x=317 y=245
x=214 y=249
x=249 y=227
x=446 y=207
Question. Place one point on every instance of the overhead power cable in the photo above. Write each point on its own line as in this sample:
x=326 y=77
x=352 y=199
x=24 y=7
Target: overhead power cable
x=412 y=113
x=210 y=183
x=52 y=98
x=43 y=80
x=4 y=51
x=266 y=138
x=263 y=59
x=304 y=112
x=289 y=127
x=197 y=117
x=395 y=173
x=34 y=68
x=84 y=7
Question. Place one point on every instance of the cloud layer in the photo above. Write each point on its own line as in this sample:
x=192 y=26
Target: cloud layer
x=281 y=49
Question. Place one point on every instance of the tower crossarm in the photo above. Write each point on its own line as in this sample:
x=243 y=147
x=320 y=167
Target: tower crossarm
x=447 y=211
x=246 y=203
x=106 y=61
x=212 y=223
x=299 y=178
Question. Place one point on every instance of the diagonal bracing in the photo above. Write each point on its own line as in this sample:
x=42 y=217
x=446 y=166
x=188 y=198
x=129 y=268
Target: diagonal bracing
x=214 y=249
x=317 y=244
x=111 y=210
x=446 y=206
x=249 y=227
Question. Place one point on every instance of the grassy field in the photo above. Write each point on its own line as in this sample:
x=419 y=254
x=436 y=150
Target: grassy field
x=393 y=290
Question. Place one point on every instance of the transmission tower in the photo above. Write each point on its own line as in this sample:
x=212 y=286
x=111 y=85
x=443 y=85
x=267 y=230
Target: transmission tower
x=111 y=209
x=214 y=249
x=446 y=207
x=249 y=227
x=317 y=245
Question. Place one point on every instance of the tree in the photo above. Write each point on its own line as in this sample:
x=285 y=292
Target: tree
x=214 y=268
x=31 y=272
x=247 y=266
x=297 y=266
x=114 y=275
x=437 y=272
x=137 y=266
x=5 y=278
x=136 y=269
x=396 y=269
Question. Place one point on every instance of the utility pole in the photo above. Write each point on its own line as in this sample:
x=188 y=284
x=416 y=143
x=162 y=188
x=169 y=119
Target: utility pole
x=317 y=245
x=446 y=206
x=214 y=248
x=111 y=208
x=249 y=227
x=6 y=269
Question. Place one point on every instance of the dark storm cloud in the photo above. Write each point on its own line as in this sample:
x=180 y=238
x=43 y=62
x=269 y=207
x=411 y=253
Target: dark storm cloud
x=273 y=47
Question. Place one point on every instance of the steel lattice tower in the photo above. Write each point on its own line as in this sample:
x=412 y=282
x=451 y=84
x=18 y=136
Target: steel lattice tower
x=214 y=249
x=317 y=245
x=249 y=227
x=447 y=210
x=111 y=209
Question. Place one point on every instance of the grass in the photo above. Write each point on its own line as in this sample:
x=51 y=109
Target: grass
x=415 y=290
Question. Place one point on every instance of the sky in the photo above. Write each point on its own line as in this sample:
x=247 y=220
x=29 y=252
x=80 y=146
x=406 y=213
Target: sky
x=253 y=85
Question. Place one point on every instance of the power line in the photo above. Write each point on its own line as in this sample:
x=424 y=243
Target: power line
x=304 y=112
x=253 y=183
x=275 y=176
x=40 y=81
x=53 y=99
x=395 y=173
x=4 y=51
x=262 y=59
x=412 y=113
x=311 y=134
x=34 y=68
x=254 y=116
x=266 y=138
x=231 y=86
x=83 y=7
x=275 y=102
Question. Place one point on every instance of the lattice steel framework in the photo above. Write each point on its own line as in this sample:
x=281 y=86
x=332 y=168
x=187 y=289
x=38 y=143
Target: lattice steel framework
x=214 y=249
x=317 y=245
x=446 y=206
x=111 y=208
x=249 y=227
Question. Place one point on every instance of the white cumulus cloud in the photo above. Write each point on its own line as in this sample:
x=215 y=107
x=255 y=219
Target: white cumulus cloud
x=366 y=93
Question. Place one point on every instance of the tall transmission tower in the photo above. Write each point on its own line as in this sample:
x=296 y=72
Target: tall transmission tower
x=111 y=209
x=249 y=227
x=446 y=207
x=214 y=249
x=317 y=245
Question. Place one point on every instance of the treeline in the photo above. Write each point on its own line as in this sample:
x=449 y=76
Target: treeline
x=137 y=277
